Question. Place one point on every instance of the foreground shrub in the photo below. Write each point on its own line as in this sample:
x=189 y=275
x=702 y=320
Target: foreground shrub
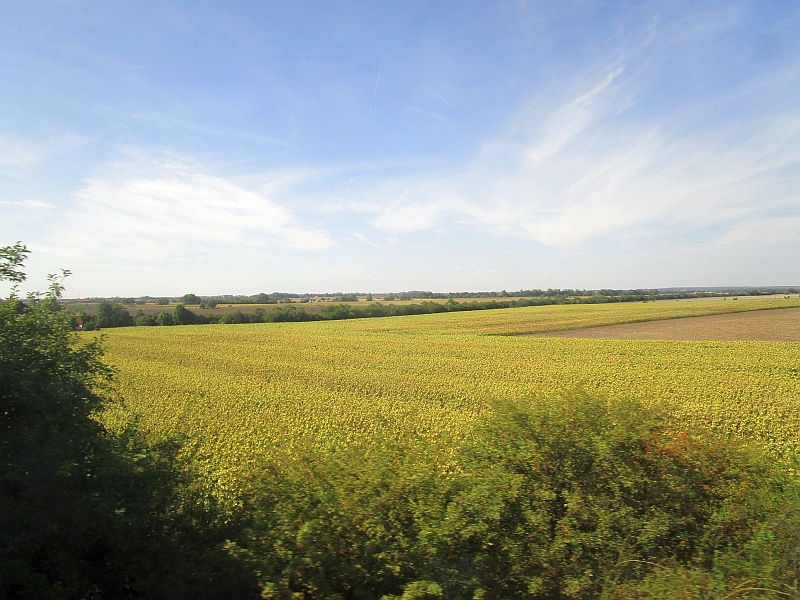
x=84 y=514
x=569 y=493
x=567 y=498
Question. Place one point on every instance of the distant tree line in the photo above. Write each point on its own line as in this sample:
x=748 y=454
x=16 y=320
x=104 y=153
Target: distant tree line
x=206 y=302
x=639 y=294
x=114 y=314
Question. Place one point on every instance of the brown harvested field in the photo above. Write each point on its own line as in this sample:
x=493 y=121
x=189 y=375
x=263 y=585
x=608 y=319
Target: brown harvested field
x=778 y=325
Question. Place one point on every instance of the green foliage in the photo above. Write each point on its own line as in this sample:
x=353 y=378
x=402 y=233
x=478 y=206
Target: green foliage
x=232 y=318
x=340 y=311
x=164 y=318
x=417 y=590
x=263 y=298
x=141 y=319
x=83 y=513
x=190 y=299
x=258 y=315
x=51 y=452
x=11 y=260
x=570 y=498
x=570 y=490
x=340 y=526
x=285 y=314
x=183 y=316
x=112 y=314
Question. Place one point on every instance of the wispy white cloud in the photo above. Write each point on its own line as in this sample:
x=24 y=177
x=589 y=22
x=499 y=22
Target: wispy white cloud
x=28 y=203
x=431 y=202
x=589 y=171
x=215 y=131
x=777 y=230
x=571 y=119
x=362 y=238
x=19 y=155
x=173 y=210
x=16 y=154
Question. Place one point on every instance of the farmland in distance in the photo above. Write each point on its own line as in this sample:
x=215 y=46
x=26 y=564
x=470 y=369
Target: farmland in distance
x=767 y=325
x=242 y=393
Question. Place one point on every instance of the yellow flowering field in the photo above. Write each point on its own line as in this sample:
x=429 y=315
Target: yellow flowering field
x=541 y=319
x=243 y=392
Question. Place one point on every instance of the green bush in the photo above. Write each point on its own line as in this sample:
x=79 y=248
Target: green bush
x=84 y=513
x=569 y=492
x=340 y=311
x=283 y=314
x=112 y=314
x=232 y=318
x=141 y=319
x=164 y=318
x=567 y=498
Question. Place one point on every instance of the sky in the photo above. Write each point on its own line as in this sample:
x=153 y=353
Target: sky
x=163 y=148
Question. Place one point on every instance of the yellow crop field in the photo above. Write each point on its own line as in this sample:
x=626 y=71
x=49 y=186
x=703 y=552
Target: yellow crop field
x=541 y=319
x=243 y=392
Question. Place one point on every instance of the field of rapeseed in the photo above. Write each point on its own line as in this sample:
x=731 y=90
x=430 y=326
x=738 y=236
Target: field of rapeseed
x=243 y=392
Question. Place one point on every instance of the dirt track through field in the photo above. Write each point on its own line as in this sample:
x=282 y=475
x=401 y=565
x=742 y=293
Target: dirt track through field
x=778 y=325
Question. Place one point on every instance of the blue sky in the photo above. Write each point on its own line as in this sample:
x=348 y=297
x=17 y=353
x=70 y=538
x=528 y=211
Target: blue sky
x=160 y=148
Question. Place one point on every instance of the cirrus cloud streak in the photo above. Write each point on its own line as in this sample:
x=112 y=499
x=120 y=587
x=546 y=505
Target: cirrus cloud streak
x=172 y=210
x=590 y=170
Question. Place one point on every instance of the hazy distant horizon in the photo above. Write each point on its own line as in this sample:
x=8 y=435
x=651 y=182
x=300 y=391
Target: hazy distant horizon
x=778 y=289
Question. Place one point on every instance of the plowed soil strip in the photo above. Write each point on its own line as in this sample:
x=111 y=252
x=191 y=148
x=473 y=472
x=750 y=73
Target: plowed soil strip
x=779 y=325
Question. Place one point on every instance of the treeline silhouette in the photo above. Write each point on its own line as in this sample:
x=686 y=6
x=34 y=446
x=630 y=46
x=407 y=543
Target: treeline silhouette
x=114 y=314
x=615 y=294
